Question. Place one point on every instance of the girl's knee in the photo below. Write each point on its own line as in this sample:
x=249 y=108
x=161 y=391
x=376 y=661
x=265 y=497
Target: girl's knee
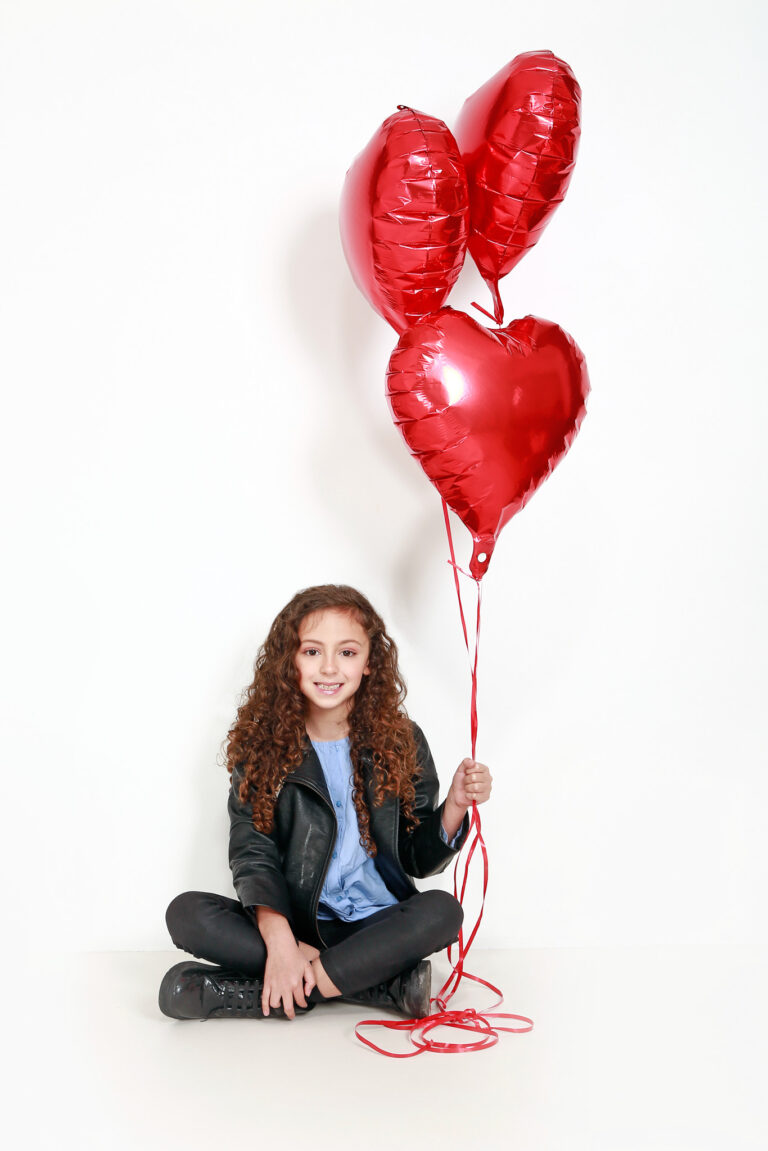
x=182 y=914
x=446 y=911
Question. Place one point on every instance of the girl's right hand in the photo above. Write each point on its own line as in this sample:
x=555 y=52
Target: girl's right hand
x=288 y=978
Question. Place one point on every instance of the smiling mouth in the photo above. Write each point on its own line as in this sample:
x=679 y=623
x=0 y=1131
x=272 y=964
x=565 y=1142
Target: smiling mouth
x=328 y=688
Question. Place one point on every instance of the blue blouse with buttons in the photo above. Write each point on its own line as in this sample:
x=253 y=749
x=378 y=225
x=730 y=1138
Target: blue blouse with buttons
x=353 y=888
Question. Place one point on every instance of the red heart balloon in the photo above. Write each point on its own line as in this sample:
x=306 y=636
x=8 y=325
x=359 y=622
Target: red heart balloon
x=487 y=413
x=405 y=217
x=518 y=136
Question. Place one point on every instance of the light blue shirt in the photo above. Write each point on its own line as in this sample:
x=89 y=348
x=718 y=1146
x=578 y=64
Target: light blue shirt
x=353 y=888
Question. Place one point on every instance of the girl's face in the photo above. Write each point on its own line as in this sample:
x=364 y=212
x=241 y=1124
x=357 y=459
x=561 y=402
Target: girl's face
x=331 y=661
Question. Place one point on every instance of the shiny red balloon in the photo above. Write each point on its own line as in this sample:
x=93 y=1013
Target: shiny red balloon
x=488 y=413
x=405 y=217
x=518 y=136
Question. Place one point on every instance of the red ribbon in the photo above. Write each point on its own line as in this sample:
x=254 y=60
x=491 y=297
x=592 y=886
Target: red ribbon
x=468 y=1019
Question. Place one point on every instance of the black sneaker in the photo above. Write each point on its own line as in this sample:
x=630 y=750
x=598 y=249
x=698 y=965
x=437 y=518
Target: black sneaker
x=408 y=992
x=198 y=991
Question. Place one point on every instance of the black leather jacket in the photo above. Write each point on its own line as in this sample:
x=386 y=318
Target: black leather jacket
x=285 y=870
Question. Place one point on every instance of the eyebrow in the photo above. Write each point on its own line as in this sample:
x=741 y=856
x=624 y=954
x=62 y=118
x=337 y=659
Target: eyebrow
x=342 y=642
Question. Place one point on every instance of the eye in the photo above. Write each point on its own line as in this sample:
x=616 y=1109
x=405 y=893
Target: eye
x=309 y=651
x=348 y=651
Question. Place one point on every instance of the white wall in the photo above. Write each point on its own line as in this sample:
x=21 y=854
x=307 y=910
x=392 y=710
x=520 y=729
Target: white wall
x=195 y=427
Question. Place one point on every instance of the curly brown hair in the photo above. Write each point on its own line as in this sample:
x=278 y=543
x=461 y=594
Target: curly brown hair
x=268 y=739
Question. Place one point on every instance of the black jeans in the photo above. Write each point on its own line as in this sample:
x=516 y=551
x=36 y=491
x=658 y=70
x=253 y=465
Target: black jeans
x=358 y=955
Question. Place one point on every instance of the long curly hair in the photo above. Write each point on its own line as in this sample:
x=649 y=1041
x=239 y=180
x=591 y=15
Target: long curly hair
x=268 y=739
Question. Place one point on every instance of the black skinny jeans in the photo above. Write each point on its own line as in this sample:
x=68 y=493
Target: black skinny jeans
x=359 y=955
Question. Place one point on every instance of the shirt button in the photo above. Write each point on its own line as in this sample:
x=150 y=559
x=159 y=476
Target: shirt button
x=335 y=854
x=338 y=804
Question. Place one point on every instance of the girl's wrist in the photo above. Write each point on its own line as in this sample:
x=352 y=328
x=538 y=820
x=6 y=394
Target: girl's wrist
x=453 y=815
x=273 y=927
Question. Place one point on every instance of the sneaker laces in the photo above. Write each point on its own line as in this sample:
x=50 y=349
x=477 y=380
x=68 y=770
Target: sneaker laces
x=240 y=994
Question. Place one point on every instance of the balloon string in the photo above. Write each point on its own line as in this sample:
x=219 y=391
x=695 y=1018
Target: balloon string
x=473 y=705
x=473 y=657
x=468 y=1019
x=485 y=312
x=456 y=570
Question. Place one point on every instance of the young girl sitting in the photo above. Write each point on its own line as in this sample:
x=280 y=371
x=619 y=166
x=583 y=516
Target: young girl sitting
x=333 y=806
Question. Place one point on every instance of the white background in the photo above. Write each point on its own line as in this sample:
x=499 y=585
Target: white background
x=194 y=427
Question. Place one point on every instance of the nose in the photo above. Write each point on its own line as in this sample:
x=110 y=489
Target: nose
x=328 y=664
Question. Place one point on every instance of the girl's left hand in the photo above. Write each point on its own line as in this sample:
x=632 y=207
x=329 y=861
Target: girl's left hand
x=471 y=784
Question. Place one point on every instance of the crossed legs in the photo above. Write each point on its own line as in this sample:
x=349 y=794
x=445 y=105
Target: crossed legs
x=359 y=955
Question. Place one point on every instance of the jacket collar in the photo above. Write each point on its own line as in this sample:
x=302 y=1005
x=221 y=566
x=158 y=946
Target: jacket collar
x=309 y=771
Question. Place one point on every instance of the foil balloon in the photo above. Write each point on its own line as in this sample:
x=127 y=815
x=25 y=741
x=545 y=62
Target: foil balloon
x=518 y=136
x=405 y=217
x=488 y=413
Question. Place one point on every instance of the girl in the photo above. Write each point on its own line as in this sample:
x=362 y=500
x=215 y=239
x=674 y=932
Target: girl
x=333 y=806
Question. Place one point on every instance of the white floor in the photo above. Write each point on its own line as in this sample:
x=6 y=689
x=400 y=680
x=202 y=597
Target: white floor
x=645 y=1048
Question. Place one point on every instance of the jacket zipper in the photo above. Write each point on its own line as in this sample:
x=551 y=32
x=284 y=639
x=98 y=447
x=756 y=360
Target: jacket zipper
x=319 y=886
